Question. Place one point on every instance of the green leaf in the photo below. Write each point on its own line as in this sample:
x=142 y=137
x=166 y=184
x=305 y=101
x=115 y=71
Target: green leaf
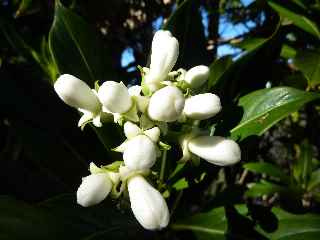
x=60 y=218
x=188 y=31
x=298 y=20
x=314 y=181
x=288 y=52
x=308 y=61
x=295 y=226
x=214 y=224
x=43 y=58
x=268 y=169
x=264 y=188
x=209 y=225
x=76 y=48
x=260 y=52
x=264 y=108
x=181 y=184
x=302 y=167
x=249 y=44
x=217 y=69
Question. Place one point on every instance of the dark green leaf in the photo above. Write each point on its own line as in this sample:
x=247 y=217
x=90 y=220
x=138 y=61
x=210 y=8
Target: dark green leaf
x=308 y=61
x=249 y=44
x=295 y=227
x=303 y=165
x=264 y=188
x=288 y=52
x=240 y=76
x=298 y=20
x=61 y=218
x=190 y=33
x=78 y=51
x=76 y=48
x=314 y=181
x=268 y=169
x=263 y=108
x=217 y=69
x=209 y=225
x=214 y=225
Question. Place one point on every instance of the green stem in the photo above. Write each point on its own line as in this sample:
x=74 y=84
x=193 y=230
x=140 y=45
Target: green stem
x=163 y=165
x=176 y=202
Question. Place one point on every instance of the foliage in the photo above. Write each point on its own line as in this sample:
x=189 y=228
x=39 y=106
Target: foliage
x=268 y=84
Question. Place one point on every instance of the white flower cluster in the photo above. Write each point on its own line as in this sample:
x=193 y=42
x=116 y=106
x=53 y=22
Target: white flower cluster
x=145 y=112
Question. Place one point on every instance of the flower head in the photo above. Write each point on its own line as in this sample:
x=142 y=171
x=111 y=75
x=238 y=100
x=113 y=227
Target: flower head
x=166 y=104
x=197 y=76
x=93 y=189
x=217 y=150
x=202 y=106
x=115 y=97
x=164 y=54
x=76 y=93
x=147 y=204
x=140 y=153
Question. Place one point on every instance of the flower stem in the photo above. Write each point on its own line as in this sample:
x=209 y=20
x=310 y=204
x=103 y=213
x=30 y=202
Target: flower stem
x=176 y=202
x=163 y=164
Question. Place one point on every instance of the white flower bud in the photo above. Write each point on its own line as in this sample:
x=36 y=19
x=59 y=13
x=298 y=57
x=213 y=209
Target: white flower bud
x=216 y=150
x=147 y=204
x=76 y=93
x=153 y=133
x=140 y=153
x=115 y=97
x=166 y=104
x=94 y=189
x=164 y=54
x=202 y=106
x=131 y=130
x=197 y=76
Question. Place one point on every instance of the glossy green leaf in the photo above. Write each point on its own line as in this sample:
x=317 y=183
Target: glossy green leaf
x=214 y=225
x=314 y=181
x=264 y=108
x=268 y=169
x=308 y=61
x=61 y=218
x=295 y=226
x=76 y=48
x=190 y=34
x=258 y=54
x=298 y=20
x=249 y=44
x=209 y=225
x=288 y=52
x=264 y=188
x=217 y=69
x=302 y=167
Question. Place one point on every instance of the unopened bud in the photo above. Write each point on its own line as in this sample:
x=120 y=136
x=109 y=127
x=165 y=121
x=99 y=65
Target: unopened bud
x=216 y=150
x=147 y=204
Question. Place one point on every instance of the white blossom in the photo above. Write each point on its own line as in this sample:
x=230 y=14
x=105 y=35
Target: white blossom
x=164 y=54
x=147 y=204
x=94 y=189
x=131 y=130
x=202 y=106
x=115 y=97
x=140 y=153
x=215 y=149
x=153 y=133
x=76 y=93
x=166 y=104
x=197 y=76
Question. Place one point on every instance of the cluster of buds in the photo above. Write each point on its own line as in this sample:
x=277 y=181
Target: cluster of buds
x=146 y=112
